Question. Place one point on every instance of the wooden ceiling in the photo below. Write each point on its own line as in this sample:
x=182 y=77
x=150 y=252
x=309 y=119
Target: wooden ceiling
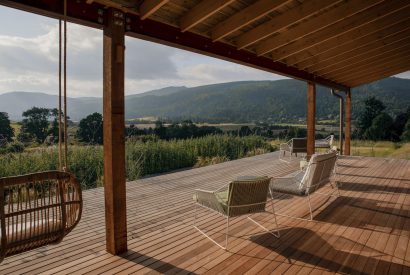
x=337 y=43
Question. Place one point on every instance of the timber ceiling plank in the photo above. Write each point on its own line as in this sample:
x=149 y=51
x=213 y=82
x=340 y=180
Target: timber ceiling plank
x=377 y=47
x=201 y=12
x=349 y=8
x=393 y=63
x=245 y=17
x=148 y=7
x=345 y=26
x=282 y=21
x=364 y=65
x=347 y=42
x=380 y=73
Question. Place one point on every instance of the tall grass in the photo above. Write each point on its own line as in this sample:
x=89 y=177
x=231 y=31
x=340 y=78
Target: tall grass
x=142 y=158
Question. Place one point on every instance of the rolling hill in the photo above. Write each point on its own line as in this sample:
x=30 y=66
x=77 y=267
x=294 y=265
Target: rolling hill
x=243 y=101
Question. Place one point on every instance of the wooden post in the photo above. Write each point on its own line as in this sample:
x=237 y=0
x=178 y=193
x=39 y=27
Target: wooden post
x=311 y=114
x=348 y=115
x=114 y=141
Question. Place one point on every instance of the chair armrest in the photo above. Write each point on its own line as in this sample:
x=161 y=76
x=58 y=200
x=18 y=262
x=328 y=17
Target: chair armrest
x=284 y=147
x=208 y=199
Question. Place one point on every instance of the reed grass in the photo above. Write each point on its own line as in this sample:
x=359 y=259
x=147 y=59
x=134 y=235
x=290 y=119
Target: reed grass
x=142 y=158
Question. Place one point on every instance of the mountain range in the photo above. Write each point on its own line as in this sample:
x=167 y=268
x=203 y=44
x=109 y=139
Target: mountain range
x=243 y=101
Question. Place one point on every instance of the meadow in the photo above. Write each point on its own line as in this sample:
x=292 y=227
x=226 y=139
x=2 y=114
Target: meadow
x=142 y=157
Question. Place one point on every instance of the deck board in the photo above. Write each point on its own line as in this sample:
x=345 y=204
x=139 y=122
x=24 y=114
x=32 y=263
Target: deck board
x=366 y=229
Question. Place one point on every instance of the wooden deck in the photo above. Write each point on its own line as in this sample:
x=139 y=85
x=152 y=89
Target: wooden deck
x=365 y=230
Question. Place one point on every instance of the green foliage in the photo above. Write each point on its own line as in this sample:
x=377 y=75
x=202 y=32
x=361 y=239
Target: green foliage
x=372 y=108
x=14 y=147
x=6 y=131
x=399 y=124
x=90 y=129
x=35 y=124
x=380 y=128
x=406 y=133
x=142 y=158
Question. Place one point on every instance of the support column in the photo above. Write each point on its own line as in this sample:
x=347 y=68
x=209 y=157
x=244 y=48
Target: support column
x=310 y=118
x=114 y=141
x=348 y=114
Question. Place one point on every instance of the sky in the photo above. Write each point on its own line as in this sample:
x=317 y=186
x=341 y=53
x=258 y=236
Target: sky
x=29 y=60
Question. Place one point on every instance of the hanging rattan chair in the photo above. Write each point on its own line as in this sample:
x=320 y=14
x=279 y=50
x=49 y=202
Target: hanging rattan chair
x=37 y=209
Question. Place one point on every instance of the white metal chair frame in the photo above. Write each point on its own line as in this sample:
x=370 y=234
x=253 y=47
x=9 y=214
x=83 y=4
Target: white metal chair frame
x=315 y=186
x=327 y=140
x=287 y=147
x=228 y=218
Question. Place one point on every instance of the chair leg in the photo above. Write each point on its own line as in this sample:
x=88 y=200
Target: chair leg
x=209 y=237
x=227 y=233
x=310 y=207
x=277 y=235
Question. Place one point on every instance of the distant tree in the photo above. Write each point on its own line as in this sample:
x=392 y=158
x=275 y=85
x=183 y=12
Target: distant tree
x=90 y=129
x=372 y=108
x=160 y=130
x=245 y=131
x=406 y=133
x=6 y=131
x=380 y=128
x=399 y=124
x=53 y=131
x=35 y=124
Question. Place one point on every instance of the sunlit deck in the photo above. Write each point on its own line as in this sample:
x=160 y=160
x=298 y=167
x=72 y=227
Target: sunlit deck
x=366 y=230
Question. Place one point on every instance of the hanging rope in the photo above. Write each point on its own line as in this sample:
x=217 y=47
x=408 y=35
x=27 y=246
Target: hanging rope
x=62 y=61
x=60 y=135
x=65 y=89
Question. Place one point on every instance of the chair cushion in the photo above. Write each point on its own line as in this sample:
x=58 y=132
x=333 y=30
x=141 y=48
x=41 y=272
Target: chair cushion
x=287 y=186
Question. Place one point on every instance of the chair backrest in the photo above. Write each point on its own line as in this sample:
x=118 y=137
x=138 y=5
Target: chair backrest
x=331 y=139
x=319 y=171
x=37 y=209
x=247 y=196
x=298 y=145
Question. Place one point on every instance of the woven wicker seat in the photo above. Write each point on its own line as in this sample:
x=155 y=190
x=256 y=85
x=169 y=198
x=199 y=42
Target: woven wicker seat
x=304 y=183
x=244 y=196
x=37 y=209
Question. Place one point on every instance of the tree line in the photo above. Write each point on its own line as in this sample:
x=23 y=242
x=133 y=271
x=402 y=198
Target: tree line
x=374 y=123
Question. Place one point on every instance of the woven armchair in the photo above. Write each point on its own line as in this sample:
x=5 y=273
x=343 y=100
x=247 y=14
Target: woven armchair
x=326 y=142
x=318 y=173
x=245 y=196
x=293 y=146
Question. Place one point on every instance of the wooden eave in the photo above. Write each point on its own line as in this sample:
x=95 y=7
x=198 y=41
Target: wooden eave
x=328 y=42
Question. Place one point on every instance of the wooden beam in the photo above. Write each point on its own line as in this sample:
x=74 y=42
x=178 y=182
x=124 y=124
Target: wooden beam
x=348 y=122
x=151 y=30
x=311 y=118
x=379 y=76
x=202 y=11
x=341 y=13
x=370 y=33
x=400 y=62
x=114 y=141
x=282 y=21
x=245 y=17
x=345 y=26
x=148 y=7
x=365 y=64
x=375 y=64
x=390 y=43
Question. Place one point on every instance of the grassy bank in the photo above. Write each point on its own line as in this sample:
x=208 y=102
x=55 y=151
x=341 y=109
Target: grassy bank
x=142 y=158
